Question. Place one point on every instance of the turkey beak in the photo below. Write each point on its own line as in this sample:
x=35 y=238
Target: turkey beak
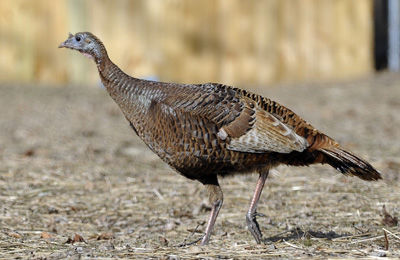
x=62 y=45
x=65 y=43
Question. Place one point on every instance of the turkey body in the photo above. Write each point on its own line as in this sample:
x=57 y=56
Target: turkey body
x=208 y=130
x=180 y=123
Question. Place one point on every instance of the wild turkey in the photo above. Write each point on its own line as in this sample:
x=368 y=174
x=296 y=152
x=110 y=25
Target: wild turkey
x=208 y=130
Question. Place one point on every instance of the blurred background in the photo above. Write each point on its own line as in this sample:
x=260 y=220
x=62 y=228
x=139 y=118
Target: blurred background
x=234 y=42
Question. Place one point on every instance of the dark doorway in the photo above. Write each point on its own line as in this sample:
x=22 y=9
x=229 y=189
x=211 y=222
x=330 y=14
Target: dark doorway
x=381 y=34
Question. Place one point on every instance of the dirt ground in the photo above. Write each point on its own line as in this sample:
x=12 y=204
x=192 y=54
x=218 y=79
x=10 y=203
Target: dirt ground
x=76 y=182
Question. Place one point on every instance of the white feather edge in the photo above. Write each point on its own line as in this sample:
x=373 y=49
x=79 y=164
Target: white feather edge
x=254 y=142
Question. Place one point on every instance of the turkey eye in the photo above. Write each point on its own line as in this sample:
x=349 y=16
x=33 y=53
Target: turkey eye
x=78 y=38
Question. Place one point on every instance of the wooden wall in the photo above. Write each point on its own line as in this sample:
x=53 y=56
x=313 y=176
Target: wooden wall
x=230 y=41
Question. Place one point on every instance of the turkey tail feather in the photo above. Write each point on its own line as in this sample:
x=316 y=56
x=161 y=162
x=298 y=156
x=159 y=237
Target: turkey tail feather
x=349 y=164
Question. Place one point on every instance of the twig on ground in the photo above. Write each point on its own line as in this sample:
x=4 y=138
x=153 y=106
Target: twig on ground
x=364 y=240
x=158 y=194
x=292 y=245
x=343 y=239
x=386 y=240
x=396 y=236
x=374 y=238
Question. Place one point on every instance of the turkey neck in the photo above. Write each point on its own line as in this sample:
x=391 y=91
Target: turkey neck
x=115 y=80
x=132 y=95
x=123 y=88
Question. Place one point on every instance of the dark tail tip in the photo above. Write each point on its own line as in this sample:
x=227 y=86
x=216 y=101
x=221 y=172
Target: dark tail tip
x=350 y=164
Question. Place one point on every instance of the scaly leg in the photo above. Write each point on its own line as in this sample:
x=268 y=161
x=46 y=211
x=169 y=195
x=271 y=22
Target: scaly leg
x=252 y=212
x=216 y=199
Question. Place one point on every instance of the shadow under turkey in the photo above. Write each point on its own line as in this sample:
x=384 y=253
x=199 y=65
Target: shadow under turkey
x=298 y=233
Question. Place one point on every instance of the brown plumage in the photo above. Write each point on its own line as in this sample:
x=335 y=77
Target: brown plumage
x=209 y=130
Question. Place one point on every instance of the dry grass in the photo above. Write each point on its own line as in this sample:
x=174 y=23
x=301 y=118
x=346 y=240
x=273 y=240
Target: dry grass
x=69 y=164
